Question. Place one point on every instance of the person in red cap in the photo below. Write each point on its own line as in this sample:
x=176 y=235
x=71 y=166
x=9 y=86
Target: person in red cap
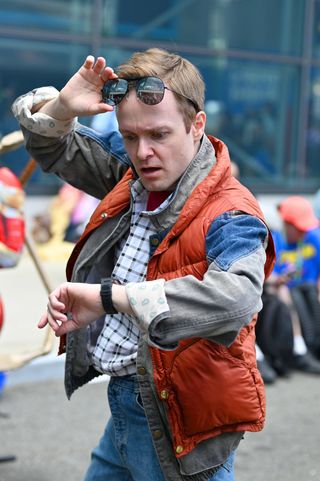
x=297 y=212
x=297 y=277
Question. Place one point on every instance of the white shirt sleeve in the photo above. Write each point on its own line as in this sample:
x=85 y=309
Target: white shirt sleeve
x=149 y=304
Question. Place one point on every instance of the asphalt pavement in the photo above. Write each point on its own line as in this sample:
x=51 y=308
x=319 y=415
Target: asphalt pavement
x=52 y=437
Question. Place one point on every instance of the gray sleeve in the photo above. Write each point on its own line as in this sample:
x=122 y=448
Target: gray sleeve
x=229 y=294
x=77 y=158
x=216 y=307
x=79 y=155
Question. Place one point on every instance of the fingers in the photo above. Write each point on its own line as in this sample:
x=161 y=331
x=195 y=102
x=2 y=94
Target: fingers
x=66 y=327
x=72 y=306
x=55 y=314
x=100 y=67
x=52 y=317
x=97 y=66
x=89 y=62
x=43 y=321
x=108 y=74
x=60 y=327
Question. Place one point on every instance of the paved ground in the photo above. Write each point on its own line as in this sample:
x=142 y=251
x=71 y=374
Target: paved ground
x=25 y=299
x=52 y=437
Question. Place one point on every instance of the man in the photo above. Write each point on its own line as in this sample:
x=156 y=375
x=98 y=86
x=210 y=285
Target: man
x=167 y=277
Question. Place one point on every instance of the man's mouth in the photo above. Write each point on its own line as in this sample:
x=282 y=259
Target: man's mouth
x=150 y=170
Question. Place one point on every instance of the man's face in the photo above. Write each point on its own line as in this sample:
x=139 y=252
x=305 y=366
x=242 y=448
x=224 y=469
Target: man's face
x=156 y=139
x=293 y=234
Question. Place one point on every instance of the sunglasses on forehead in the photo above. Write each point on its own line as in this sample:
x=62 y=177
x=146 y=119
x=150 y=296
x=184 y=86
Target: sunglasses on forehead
x=150 y=90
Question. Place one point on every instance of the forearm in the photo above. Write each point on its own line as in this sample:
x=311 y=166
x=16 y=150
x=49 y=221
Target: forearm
x=74 y=306
x=32 y=110
x=73 y=152
x=221 y=303
x=216 y=307
x=120 y=299
x=79 y=159
x=48 y=119
x=55 y=109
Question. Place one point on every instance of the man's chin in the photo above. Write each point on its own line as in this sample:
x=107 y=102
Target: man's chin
x=158 y=185
x=150 y=187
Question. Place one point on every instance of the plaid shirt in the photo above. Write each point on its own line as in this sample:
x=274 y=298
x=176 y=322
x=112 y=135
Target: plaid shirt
x=116 y=349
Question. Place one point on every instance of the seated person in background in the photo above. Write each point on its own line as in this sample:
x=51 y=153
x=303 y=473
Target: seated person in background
x=66 y=217
x=296 y=278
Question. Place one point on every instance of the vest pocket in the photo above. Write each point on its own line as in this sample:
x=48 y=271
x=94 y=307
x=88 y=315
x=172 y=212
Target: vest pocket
x=213 y=391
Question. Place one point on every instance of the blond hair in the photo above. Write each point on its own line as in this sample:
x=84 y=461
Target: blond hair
x=176 y=72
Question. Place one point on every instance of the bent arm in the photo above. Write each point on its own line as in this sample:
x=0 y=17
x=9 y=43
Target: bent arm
x=216 y=307
x=80 y=156
x=220 y=304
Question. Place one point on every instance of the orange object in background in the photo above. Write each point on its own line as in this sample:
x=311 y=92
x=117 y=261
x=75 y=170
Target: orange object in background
x=12 y=225
x=1 y=314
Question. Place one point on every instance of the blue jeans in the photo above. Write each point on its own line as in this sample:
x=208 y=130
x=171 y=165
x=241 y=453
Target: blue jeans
x=125 y=451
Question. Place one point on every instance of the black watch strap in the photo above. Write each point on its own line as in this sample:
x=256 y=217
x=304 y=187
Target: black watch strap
x=106 y=295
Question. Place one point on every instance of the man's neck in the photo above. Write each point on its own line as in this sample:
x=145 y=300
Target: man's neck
x=156 y=198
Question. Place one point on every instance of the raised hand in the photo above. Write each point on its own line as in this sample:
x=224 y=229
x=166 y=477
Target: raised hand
x=81 y=96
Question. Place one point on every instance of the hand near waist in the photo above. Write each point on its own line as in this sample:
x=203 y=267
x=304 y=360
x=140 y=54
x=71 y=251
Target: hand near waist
x=81 y=96
x=75 y=305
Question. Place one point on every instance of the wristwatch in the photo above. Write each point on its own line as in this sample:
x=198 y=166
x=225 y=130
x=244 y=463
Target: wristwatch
x=106 y=295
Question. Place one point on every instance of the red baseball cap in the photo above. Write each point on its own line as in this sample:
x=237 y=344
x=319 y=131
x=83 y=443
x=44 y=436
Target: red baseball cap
x=299 y=212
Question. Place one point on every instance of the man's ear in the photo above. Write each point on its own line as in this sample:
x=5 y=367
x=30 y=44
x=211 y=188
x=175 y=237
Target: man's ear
x=198 y=125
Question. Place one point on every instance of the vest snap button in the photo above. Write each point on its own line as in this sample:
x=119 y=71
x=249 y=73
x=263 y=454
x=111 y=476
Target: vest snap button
x=179 y=449
x=164 y=394
x=104 y=215
x=157 y=434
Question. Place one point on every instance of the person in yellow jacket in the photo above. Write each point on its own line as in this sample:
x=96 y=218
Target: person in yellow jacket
x=166 y=281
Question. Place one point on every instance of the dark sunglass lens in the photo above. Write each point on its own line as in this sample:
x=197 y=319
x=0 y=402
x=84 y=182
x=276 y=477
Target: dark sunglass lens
x=150 y=90
x=114 y=90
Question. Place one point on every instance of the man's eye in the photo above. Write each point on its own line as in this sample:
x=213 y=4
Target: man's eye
x=129 y=138
x=159 y=135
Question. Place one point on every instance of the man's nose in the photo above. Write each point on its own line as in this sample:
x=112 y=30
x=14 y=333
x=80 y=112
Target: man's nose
x=144 y=149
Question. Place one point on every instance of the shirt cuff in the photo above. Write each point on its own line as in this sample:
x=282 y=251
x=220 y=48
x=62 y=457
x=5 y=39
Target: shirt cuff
x=40 y=123
x=148 y=302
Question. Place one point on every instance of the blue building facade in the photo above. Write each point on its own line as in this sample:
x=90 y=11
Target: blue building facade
x=260 y=61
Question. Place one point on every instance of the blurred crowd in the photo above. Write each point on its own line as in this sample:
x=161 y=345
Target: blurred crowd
x=288 y=327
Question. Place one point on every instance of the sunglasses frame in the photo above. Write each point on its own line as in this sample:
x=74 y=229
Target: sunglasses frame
x=137 y=81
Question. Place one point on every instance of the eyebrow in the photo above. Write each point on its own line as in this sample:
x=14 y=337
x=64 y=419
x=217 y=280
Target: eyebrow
x=150 y=130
